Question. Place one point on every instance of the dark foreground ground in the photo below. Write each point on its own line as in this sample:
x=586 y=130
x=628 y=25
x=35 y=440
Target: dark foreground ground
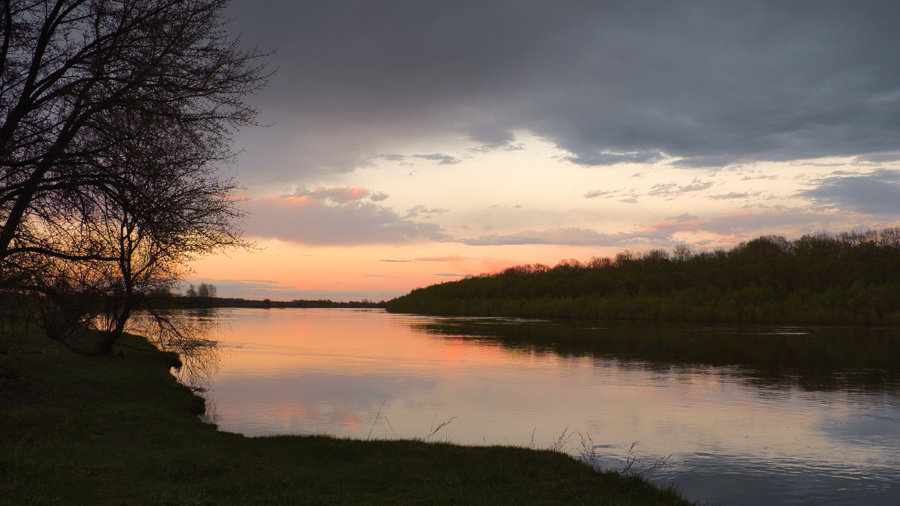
x=120 y=430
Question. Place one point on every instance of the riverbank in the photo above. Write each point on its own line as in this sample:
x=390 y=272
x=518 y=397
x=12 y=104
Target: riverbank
x=847 y=279
x=120 y=430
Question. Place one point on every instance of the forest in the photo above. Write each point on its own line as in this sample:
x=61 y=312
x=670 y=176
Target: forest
x=846 y=278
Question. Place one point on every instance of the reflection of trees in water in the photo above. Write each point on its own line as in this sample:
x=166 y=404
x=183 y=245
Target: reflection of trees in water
x=192 y=333
x=865 y=359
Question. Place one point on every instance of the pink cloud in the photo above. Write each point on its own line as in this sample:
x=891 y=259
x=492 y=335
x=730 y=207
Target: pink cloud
x=669 y=225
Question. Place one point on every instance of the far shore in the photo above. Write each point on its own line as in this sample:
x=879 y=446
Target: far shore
x=179 y=301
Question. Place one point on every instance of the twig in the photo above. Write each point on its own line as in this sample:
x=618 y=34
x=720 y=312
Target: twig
x=375 y=421
x=391 y=426
x=439 y=427
x=560 y=443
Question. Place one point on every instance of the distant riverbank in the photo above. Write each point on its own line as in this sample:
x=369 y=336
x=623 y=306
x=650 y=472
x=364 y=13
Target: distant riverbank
x=850 y=278
x=120 y=429
x=182 y=302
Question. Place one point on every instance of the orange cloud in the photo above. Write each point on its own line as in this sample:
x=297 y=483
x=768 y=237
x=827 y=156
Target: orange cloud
x=449 y=258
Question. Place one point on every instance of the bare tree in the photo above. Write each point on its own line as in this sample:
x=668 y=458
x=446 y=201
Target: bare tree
x=114 y=116
x=207 y=290
x=682 y=253
x=165 y=206
x=82 y=82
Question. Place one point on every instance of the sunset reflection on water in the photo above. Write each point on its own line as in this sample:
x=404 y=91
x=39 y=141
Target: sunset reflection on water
x=369 y=374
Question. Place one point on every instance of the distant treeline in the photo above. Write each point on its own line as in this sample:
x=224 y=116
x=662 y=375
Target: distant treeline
x=16 y=305
x=191 y=302
x=853 y=277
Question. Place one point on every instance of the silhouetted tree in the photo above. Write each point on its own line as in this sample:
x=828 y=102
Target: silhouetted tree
x=113 y=117
x=206 y=290
x=682 y=253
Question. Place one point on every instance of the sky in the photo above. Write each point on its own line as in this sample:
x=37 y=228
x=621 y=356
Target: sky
x=411 y=142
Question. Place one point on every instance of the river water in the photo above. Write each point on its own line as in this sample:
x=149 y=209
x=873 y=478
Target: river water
x=738 y=415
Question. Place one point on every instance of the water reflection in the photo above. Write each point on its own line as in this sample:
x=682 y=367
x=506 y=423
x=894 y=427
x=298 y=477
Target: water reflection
x=748 y=414
x=192 y=333
x=813 y=358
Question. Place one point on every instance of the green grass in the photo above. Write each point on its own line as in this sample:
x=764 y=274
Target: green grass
x=120 y=430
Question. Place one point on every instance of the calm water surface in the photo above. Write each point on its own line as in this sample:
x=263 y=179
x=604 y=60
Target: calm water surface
x=749 y=415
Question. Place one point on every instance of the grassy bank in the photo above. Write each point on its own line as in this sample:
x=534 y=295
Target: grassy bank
x=119 y=429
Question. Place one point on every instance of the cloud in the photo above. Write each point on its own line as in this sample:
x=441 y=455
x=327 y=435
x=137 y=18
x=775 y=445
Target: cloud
x=657 y=232
x=597 y=193
x=667 y=191
x=625 y=195
x=450 y=258
x=392 y=157
x=572 y=236
x=339 y=195
x=733 y=195
x=748 y=224
x=421 y=210
x=665 y=229
x=378 y=197
x=440 y=158
x=671 y=190
x=876 y=192
x=334 y=216
x=491 y=135
x=705 y=83
x=881 y=157
x=606 y=158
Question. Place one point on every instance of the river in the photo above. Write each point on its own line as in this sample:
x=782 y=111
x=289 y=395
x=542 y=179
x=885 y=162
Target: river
x=725 y=414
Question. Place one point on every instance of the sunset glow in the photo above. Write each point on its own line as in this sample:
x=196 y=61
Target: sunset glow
x=382 y=170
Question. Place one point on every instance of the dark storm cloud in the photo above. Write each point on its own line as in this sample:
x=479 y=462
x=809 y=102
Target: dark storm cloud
x=877 y=192
x=707 y=82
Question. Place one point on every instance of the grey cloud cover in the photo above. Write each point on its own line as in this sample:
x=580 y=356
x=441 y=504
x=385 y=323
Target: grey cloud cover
x=877 y=192
x=707 y=82
x=307 y=220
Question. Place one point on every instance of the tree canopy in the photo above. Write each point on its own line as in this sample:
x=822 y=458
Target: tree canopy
x=846 y=278
x=115 y=116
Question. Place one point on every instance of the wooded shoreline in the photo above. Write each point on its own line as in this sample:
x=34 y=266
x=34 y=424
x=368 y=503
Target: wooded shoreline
x=850 y=278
